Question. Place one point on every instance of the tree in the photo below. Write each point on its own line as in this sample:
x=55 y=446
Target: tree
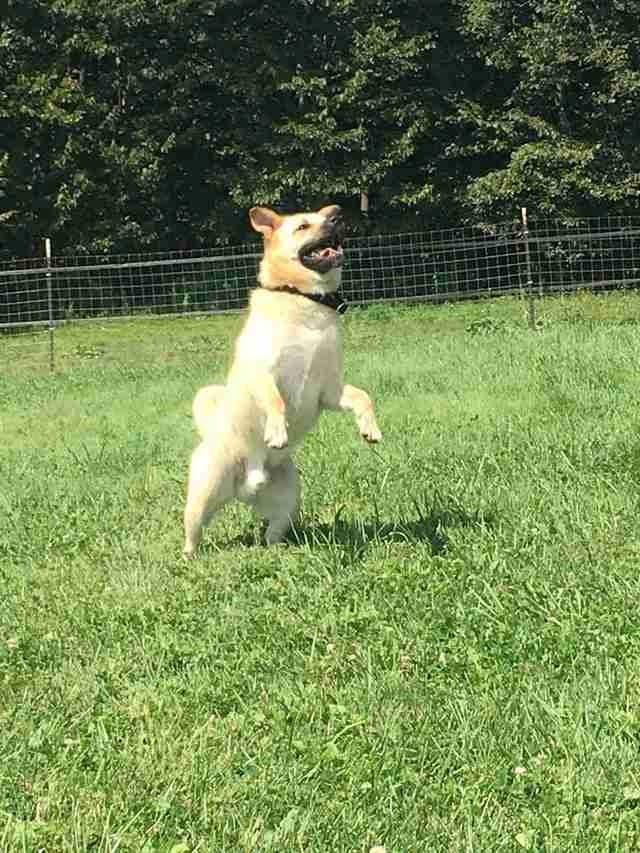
x=151 y=124
x=357 y=93
x=120 y=121
x=560 y=108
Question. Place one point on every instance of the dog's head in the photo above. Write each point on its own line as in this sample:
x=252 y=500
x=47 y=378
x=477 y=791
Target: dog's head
x=302 y=251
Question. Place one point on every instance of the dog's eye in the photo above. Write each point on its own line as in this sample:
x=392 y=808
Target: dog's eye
x=303 y=226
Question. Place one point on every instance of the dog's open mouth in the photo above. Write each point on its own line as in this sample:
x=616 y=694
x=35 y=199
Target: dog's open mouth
x=322 y=256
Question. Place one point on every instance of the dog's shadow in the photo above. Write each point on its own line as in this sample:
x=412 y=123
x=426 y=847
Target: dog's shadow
x=430 y=525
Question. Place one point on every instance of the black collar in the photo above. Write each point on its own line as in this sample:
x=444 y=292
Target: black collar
x=330 y=300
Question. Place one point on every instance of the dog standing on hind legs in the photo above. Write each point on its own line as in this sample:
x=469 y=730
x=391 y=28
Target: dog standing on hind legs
x=287 y=369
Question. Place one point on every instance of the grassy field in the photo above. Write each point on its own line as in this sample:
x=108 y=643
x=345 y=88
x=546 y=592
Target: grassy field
x=447 y=658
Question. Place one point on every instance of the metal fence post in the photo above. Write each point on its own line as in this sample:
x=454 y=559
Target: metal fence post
x=531 y=308
x=47 y=252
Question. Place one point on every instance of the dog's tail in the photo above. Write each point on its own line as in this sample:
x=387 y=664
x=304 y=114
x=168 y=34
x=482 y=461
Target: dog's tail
x=204 y=405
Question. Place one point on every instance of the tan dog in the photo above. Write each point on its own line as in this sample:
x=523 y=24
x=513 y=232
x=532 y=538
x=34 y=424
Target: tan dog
x=287 y=368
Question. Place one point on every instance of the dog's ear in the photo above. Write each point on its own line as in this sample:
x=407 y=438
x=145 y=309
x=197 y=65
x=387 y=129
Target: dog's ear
x=264 y=220
x=332 y=211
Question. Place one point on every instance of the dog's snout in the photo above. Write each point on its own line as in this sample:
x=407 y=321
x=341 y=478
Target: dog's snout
x=333 y=215
x=335 y=224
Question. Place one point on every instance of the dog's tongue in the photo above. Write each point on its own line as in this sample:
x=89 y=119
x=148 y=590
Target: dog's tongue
x=326 y=253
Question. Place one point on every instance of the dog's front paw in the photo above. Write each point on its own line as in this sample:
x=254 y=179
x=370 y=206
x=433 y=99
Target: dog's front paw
x=369 y=429
x=275 y=432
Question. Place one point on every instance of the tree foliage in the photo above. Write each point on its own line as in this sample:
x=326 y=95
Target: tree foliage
x=562 y=104
x=154 y=123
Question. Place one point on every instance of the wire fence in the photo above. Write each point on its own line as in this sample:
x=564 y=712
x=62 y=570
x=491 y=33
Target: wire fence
x=40 y=295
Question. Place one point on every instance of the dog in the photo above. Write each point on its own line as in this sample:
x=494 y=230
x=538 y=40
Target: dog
x=286 y=370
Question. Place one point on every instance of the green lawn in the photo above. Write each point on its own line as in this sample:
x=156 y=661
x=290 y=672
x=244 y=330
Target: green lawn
x=446 y=659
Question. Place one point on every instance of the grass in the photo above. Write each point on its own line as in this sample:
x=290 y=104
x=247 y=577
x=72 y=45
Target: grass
x=446 y=658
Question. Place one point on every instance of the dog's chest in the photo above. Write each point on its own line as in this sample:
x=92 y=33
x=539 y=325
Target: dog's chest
x=303 y=365
x=301 y=359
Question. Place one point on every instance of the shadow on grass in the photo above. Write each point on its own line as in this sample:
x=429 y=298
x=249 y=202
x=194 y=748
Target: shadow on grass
x=431 y=526
x=431 y=522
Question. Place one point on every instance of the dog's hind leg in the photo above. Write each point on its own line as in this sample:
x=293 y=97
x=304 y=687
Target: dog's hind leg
x=211 y=486
x=278 y=500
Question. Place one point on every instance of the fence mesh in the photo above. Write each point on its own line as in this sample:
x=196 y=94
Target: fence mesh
x=550 y=256
x=599 y=253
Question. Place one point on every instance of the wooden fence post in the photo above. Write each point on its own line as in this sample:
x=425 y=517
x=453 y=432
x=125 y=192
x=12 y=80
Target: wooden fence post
x=531 y=308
